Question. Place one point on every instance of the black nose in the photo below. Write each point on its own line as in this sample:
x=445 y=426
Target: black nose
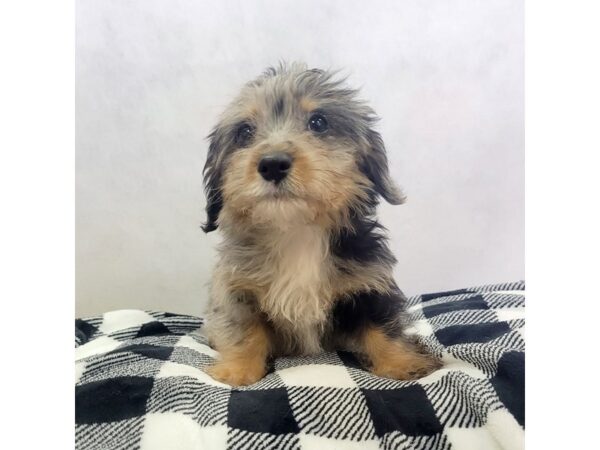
x=275 y=166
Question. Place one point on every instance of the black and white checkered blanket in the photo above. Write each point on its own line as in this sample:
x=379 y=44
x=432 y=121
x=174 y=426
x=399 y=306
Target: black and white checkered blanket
x=140 y=384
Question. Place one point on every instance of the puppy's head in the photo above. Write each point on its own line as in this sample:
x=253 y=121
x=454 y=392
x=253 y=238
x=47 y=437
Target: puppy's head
x=296 y=146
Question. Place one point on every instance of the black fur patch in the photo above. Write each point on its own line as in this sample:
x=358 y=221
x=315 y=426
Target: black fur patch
x=365 y=242
x=214 y=205
x=212 y=178
x=369 y=308
x=279 y=107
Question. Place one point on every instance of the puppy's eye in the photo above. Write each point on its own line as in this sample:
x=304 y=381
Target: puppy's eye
x=318 y=123
x=244 y=134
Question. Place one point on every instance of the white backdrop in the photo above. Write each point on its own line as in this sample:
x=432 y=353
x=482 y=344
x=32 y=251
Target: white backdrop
x=446 y=76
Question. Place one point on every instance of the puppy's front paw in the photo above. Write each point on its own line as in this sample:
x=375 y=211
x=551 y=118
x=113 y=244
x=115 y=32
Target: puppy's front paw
x=237 y=372
x=406 y=367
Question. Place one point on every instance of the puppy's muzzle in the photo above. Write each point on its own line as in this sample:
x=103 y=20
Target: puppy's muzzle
x=275 y=166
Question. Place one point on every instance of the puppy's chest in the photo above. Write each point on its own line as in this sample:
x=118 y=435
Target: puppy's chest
x=293 y=273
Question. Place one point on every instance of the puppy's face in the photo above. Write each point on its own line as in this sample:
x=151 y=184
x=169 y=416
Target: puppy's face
x=294 y=147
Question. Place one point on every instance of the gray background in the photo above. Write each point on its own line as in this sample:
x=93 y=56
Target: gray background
x=446 y=76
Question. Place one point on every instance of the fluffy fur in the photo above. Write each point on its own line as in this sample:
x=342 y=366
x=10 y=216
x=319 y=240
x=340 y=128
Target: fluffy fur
x=304 y=265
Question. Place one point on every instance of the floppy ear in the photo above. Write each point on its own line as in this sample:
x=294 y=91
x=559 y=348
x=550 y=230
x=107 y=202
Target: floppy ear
x=212 y=185
x=375 y=166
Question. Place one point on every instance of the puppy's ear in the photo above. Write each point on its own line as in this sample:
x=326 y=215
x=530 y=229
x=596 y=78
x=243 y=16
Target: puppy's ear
x=212 y=183
x=375 y=166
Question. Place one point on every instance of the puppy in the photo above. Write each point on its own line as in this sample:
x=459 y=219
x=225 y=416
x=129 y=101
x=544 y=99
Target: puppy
x=293 y=176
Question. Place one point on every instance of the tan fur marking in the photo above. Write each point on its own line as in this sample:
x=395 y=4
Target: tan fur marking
x=251 y=110
x=244 y=363
x=308 y=104
x=394 y=358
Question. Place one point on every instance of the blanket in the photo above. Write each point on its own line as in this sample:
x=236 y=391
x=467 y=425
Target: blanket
x=140 y=384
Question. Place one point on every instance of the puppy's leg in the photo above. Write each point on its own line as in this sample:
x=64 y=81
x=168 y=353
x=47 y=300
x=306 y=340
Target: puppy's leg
x=244 y=362
x=393 y=357
x=237 y=330
x=371 y=323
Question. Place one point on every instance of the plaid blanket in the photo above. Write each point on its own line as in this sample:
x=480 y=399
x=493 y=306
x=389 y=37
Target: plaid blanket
x=140 y=384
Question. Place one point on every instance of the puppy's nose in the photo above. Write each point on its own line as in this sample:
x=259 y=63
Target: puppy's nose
x=275 y=166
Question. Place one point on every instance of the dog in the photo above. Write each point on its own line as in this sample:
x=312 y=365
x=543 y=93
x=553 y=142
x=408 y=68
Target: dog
x=293 y=175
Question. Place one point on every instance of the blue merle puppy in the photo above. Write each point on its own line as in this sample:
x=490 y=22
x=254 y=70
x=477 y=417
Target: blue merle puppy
x=293 y=177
